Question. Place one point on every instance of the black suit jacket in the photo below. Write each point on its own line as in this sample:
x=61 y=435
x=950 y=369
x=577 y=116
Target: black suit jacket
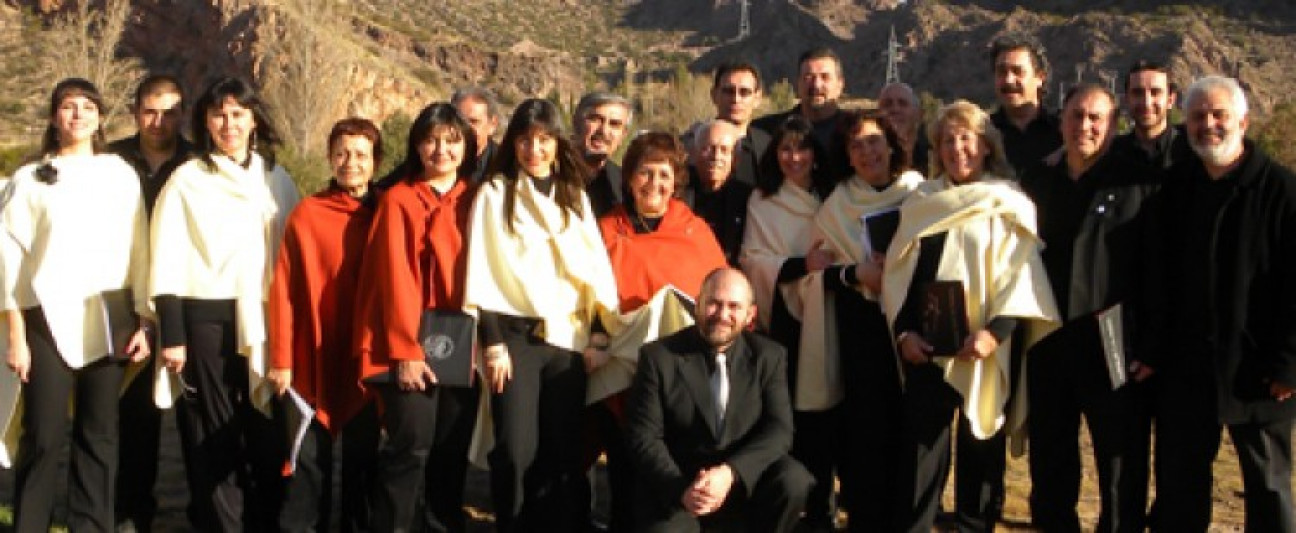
x=748 y=153
x=671 y=427
x=604 y=190
x=724 y=210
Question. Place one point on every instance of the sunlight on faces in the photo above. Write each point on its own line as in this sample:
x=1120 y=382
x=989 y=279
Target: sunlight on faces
x=442 y=152
x=869 y=154
x=727 y=308
x=653 y=185
x=1148 y=99
x=1017 y=83
x=1215 y=128
x=962 y=152
x=1086 y=124
x=715 y=153
x=796 y=160
x=536 y=152
x=157 y=117
x=351 y=158
x=76 y=119
x=477 y=114
x=820 y=83
x=736 y=97
x=231 y=126
x=602 y=129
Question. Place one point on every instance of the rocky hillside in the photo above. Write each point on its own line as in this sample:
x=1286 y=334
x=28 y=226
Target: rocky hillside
x=406 y=52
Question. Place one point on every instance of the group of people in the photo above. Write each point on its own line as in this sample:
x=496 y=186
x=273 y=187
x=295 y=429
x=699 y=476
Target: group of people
x=719 y=316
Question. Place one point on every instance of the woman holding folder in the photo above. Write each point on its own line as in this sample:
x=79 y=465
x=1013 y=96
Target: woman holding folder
x=968 y=234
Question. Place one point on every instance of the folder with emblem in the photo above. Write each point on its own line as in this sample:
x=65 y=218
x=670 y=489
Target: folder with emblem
x=449 y=340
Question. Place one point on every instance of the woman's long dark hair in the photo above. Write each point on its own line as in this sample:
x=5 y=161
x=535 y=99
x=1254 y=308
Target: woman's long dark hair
x=63 y=90
x=798 y=130
x=428 y=120
x=569 y=176
x=264 y=139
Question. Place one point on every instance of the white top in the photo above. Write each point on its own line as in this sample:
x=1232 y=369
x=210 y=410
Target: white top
x=68 y=242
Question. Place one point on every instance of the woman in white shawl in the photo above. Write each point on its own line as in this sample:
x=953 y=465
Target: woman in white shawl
x=216 y=229
x=76 y=251
x=972 y=226
x=785 y=265
x=870 y=416
x=538 y=277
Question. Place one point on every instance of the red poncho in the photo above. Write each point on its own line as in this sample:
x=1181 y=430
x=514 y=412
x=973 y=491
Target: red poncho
x=680 y=252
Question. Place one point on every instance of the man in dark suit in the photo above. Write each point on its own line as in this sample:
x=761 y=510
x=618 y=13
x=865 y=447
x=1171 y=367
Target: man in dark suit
x=736 y=91
x=599 y=124
x=710 y=422
x=819 y=84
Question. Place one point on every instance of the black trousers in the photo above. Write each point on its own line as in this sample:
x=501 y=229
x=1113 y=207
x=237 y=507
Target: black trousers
x=92 y=465
x=605 y=433
x=923 y=466
x=233 y=456
x=816 y=443
x=535 y=464
x=308 y=493
x=425 y=457
x=774 y=505
x=1068 y=379
x=140 y=426
x=1187 y=441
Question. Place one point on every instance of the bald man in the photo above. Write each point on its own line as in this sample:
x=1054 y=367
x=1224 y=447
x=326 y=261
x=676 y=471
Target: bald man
x=902 y=108
x=712 y=193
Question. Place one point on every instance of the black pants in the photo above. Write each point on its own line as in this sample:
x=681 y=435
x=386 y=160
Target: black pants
x=774 y=505
x=92 y=465
x=815 y=444
x=605 y=433
x=1187 y=441
x=140 y=428
x=308 y=493
x=928 y=405
x=425 y=457
x=233 y=459
x=535 y=465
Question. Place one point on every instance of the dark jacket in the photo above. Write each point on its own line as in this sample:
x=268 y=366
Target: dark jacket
x=724 y=210
x=1026 y=148
x=605 y=189
x=1250 y=271
x=747 y=155
x=150 y=182
x=671 y=417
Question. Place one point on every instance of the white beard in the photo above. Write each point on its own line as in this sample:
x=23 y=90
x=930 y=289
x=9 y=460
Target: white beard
x=1221 y=154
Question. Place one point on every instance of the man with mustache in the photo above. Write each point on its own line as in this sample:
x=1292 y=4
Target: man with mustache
x=711 y=192
x=819 y=84
x=1030 y=132
x=478 y=106
x=736 y=92
x=710 y=422
x=1089 y=203
x=598 y=125
x=1224 y=317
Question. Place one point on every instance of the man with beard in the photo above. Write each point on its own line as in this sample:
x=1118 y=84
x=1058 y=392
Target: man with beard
x=1089 y=206
x=598 y=125
x=710 y=422
x=1224 y=329
x=711 y=193
x=900 y=105
x=478 y=106
x=154 y=152
x=1149 y=96
x=1029 y=131
x=736 y=92
x=819 y=84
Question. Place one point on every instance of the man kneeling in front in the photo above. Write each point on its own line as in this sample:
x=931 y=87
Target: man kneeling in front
x=710 y=422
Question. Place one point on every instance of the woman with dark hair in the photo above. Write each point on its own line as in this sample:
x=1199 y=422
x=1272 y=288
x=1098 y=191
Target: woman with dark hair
x=870 y=413
x=970 y=225
x=416 y=262
x=538 y=276
x=75 y=251
x=785 y=265
x=640 y=235
x=312 y=300
x=216 y=231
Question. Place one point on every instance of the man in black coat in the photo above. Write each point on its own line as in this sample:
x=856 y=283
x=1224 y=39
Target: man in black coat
x=599 y=123
x=736 y=91
x=712 y=192
x=819 y=84
x=710 y=422
x=1021 y=72
x=1226 y=309
x=1090 y=208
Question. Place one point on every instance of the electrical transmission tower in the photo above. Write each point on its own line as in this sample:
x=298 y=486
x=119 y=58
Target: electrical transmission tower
x=894 y=58
x=744 y=20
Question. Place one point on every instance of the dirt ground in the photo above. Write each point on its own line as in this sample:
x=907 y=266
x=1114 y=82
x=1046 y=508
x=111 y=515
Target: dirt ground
x=172 y=493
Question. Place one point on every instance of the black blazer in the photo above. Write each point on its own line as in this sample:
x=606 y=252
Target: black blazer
x=724 y=210
x=604 y=189
x=671 y=426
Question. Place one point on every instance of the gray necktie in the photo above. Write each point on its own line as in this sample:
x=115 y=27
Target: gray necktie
x=720 y=388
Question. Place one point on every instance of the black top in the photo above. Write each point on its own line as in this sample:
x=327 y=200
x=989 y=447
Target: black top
x=1027 y=147
x=604 y=190
x=1166 y=149
x=150 y=182
x=748 y=153
x=483 y=162
x=725 y=211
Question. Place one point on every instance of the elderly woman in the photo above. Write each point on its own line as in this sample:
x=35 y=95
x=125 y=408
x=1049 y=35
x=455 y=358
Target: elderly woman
x=785 y=264
x=653 y=241
x=539 y=277
x=76 y=251
x=415 y=262
x=871 y=417
x=312 y=300
x=972 y=226
x=216 y=231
